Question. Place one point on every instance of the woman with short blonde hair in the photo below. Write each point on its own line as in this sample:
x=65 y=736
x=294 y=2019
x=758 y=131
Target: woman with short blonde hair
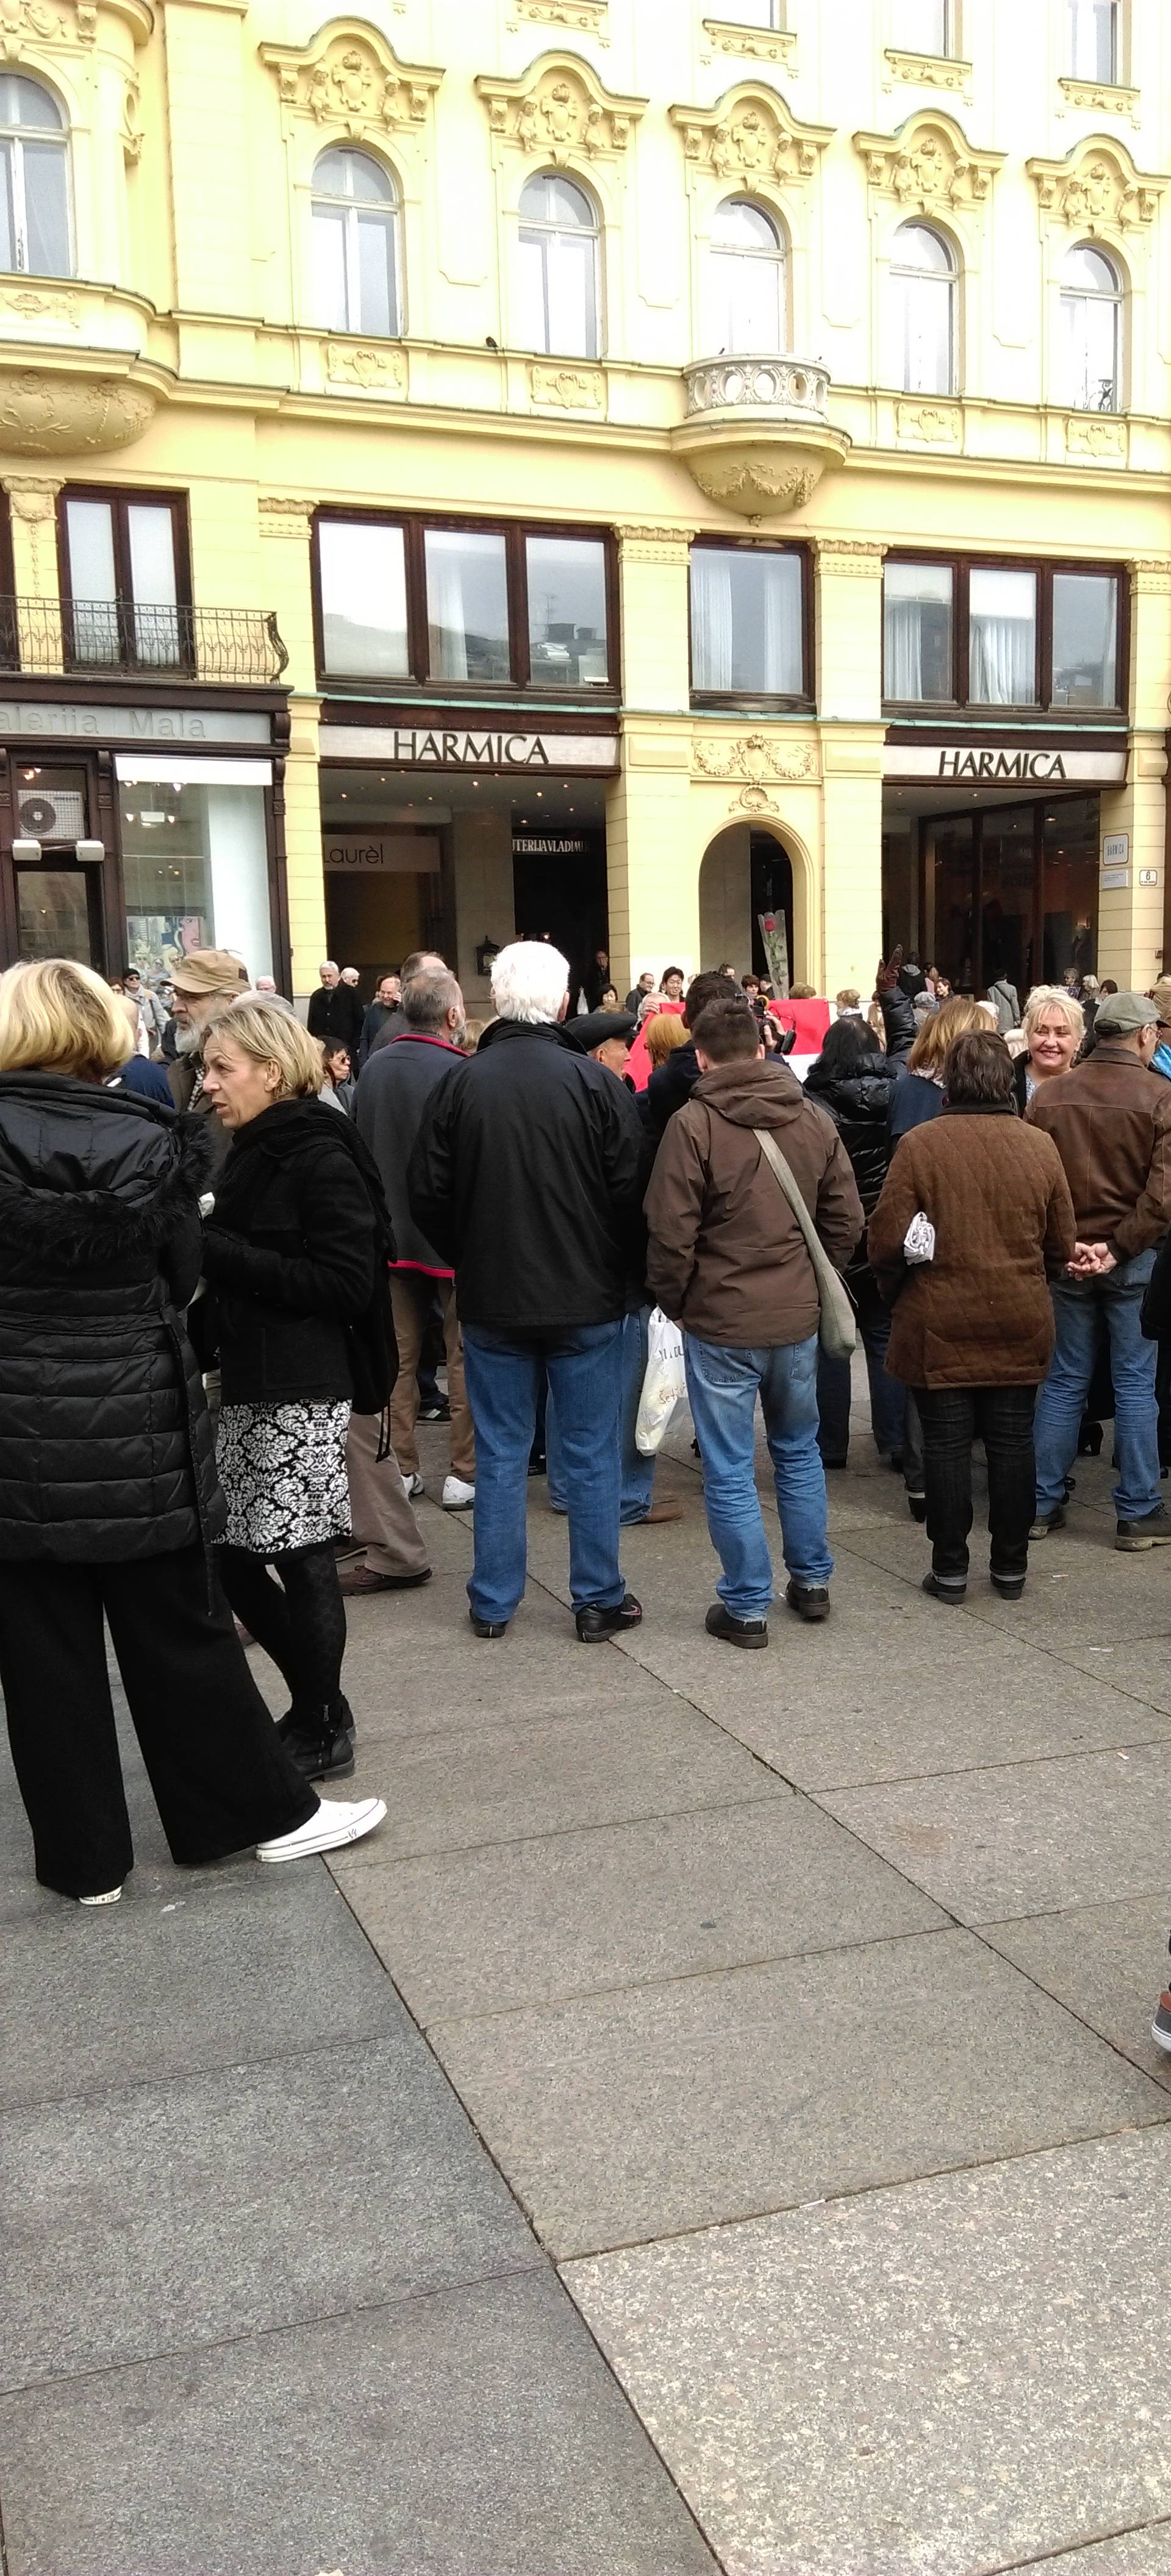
x=58 y=1017
x=1053 y=1026
x=295 y=1253
x=663 y=1034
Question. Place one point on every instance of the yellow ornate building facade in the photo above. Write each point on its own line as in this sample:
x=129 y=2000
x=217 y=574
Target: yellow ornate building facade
x=592 y=466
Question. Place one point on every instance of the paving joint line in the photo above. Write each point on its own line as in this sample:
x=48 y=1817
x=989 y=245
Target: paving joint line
x=265 y=2333
x=1073 y=2548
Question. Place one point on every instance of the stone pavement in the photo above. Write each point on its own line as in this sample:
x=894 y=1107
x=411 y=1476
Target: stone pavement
x=713 y=2126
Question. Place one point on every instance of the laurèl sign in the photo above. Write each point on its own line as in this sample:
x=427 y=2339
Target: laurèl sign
x=1003 y=764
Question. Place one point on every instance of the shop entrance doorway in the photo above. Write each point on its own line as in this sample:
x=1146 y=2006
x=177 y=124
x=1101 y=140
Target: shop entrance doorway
x=1000 y=888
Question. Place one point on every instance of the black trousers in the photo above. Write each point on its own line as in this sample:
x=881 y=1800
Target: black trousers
x=220 y=1774
x=1002 y=1417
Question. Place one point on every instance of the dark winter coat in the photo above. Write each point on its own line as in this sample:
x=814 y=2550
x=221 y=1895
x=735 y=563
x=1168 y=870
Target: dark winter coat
x=527 y=1175
x=392 y=1094
x=980 y=1313
x=106 y=1450
x=898 y=1023
x=337 y=1011
x=670 y=1088
x=914 y=1101
x=145 y=1080
x=291 y=1255
x=859 y=1105
x=727 y=1257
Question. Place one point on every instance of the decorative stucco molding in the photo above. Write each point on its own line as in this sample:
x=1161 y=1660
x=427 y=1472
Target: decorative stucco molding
x=32 y=496
x=284 y=514
x=853 y=558
x=750 y=133
x=44 y=414
x=559 y=388
x=754 y=757
x=582 y=17
x=929 y=166
x=930 y=424
x=371 y=369
x=349 y=78
x=926 y=71
x=1150 y=574
x=561 y=110
x=1108 y=98
x=47 y=303
x=648 y=542
x=752 y=44
x=1097 y=189
x=64 y=22
x=1095 y=433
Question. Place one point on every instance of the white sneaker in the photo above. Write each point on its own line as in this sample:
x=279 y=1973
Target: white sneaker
x=337 y=1821
x=457 y=1497
x=414 y=1484
x=110 y=1898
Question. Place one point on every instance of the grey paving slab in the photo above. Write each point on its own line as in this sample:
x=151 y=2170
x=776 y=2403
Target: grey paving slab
x=868 y=1605
x=1002 y=1703
x=273 y=1962
x=1142 y=1666
x=1025 y=1838
x=954 y=2377
x=174 y=2214
x=484 y=1931
x=421 y=1671
x=1107 y=1962
x=493 y=1781
x=1146 y=2552
x=473 y=2433
x=635 y=2116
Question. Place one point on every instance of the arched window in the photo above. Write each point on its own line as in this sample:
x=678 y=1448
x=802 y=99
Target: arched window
x=923 y=279
x=559 y=299
x=749 y=297
x=1091 y=331
x=355 y=245
x=35 y=212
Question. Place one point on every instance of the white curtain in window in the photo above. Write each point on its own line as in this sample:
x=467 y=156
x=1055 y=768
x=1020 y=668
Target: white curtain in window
x=904 y=649
x=1090 y=352
x=711 y=619
x=329 y=268
x=571 y=270
x=921 y=25
x=447 y=611
x=1002 y=642
x=780 y=632
x=923 y=334
x=151 y=533
x=1093 y=40
x=92 y=581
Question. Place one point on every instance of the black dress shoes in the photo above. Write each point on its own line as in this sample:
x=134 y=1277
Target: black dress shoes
x=595 y=1625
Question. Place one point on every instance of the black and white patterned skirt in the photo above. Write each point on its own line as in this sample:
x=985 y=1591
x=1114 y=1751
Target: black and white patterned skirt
x=283 y=1472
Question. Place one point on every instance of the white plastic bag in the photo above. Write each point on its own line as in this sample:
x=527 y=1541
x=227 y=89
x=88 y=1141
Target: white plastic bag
x=919 y=1240
x=664 y=1385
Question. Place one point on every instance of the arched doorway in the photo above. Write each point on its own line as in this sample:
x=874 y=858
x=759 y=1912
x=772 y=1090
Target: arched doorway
x=746 y=878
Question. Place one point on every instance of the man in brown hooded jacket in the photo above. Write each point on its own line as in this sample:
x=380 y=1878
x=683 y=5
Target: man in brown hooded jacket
x=728 y=1261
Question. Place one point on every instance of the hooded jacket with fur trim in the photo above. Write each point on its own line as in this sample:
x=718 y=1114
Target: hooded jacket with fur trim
x=106 y=1450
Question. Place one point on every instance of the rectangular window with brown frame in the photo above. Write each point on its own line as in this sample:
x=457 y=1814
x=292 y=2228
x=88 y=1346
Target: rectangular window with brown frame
x=464 y=605
x=1037 y=638
x=751 y=620
x=125 y=579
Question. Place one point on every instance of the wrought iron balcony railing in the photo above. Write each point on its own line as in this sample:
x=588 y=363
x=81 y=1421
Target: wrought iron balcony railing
x=116 y=639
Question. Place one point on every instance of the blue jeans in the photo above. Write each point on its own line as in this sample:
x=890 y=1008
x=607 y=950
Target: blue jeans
x=888 y=1399
x=723 y=1386
x=1079 y=1307
x=503 y=1375
x=638 y=1473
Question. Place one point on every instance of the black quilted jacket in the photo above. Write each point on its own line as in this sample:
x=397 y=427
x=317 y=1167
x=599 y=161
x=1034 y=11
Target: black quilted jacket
x=106 y=1450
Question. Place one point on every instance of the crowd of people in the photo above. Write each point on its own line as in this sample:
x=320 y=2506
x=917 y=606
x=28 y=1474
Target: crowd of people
x=235 y=1260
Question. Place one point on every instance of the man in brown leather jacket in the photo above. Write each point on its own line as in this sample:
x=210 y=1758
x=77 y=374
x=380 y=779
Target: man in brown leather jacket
x=728 y=1261
x=1110 y=1120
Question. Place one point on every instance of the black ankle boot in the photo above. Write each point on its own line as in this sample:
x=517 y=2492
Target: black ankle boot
x=321 y=1747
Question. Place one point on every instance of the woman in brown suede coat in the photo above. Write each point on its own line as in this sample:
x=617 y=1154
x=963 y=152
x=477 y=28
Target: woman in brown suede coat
x=973 y=1327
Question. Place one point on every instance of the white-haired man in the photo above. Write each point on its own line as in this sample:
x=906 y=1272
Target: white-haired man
x=336 y=1009
x=528 y=1175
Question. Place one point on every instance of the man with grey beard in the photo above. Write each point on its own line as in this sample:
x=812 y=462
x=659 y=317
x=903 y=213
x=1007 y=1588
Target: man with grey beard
x=207 y=982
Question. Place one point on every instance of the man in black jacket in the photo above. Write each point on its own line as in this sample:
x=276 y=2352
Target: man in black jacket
x=528 y=1174
x=336 y=1009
